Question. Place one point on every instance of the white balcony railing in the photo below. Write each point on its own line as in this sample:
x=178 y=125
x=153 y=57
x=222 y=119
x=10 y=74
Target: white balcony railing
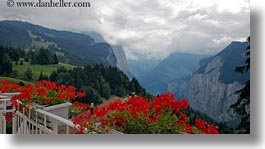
x=4 y=101
x=36 y=121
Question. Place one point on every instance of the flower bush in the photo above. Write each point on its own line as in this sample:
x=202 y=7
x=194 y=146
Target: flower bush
x=136 y=115
x=162 y=115
x=42 y=93
x=7 y=86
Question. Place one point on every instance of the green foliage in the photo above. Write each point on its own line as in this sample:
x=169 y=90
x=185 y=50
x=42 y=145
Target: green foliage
x=140 y=125
x=92 y=96
x=28 y=75
x=43 y=77
x=21 y=63
x=43 y=57
x=36 y=69
x=104 y=88
x=99 y=82
x=5 y=64
x=7 y=55
x=14 y=62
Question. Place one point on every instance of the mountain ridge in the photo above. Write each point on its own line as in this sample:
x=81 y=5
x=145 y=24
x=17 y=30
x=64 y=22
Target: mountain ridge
x=173 y=70
x=73 y=48
x=212 y=88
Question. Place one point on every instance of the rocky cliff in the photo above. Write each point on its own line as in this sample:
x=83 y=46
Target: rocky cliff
x=118 y=51
x=212 y=87
x=121 y=60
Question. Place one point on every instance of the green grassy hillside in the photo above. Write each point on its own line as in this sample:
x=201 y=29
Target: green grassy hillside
x=37 y=69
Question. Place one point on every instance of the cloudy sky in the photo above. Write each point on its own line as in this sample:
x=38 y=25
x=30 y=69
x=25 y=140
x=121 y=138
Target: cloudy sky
x=154 y=28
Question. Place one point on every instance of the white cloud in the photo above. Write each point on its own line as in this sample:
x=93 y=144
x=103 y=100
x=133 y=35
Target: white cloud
x=154 y=28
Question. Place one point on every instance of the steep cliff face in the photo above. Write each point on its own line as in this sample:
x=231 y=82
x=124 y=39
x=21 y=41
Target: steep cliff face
x=212 y=87
x=106 y=55
x=121 y=60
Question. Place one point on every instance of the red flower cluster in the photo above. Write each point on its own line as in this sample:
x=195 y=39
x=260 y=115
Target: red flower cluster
x=138 y=104
x=168 y=102
x=121 y=113
x=81 y=94
x=206 y=128
x=43 y=93
x=8 y=117
x=7 y=86
x=183 y=124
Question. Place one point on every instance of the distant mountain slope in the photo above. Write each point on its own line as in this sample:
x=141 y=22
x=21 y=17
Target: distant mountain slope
x=72 y=48
x=122 y=63
x=142 y=66
x=119 y=52
x=232 y=56
x=212 y=86
x=96 y=36
x=171 y=74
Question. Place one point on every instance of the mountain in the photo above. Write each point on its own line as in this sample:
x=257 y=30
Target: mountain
x=72 y=48
x=118 y=51
x=122 y=60
x=213 y=85
x=142 y=66
x=96 y=36
x=171 y=74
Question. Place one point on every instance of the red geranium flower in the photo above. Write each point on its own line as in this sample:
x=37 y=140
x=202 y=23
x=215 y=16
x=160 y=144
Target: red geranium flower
x=61 y=96
x=81 y=94
x=41 y=92
x=8 y=117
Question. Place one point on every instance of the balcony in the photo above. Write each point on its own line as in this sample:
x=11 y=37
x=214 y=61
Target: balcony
x=37 y=122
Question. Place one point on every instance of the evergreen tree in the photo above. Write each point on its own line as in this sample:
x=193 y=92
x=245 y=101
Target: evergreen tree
x=105 y=90
x=42 y=57
x=53 y=76
x=28 y=75
x=99 y=81
x=5 y=64
x=41 y=77
x=55 y=59
x=92 y=96
x=32 y=57
x=120 y=91
x=45 y=77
